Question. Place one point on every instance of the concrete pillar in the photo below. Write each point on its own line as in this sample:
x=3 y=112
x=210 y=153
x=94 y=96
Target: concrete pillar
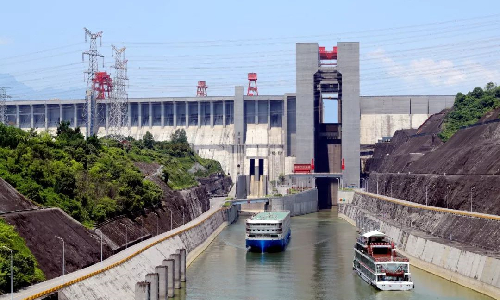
x=187 y=114
x=60 y=112
x=183 y=254
x=76 y=115
x=129 y=115
x=170 y=264
x=153 y=280
x=256 y=111
x=46 y=116
x=139 y=117
x=177 y=270
x=107 y=117
x=199 y=113
x=223 y=113
x=17 y=116
x=174 y=105
x=268 y=114
x=162 y=282
x=162 y=105
x=142 y=290
x=284 y=126
x=150 y=115
x=211 y=114
x=31 y=117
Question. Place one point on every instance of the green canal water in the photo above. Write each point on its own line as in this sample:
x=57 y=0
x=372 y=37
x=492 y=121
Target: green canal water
x=316 y=265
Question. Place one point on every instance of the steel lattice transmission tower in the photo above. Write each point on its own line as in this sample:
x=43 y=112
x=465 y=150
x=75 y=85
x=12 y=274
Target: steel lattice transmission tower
x=3 y=105
x=118 y=118
x=90 y=109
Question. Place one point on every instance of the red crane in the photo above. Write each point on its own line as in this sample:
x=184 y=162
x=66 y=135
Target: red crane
x=103 y=84
x=252 y=88
x=202 y=89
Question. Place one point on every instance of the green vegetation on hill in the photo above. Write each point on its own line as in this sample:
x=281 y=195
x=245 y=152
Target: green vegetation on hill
x=94 y=179
x=26 y=271
x=469 y=108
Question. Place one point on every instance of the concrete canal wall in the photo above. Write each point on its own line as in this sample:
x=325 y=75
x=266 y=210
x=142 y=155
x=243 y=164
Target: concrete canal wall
x=298 y=204
x=116 y=277
x=456 y=245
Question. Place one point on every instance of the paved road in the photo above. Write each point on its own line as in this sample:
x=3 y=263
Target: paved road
x=215 y=203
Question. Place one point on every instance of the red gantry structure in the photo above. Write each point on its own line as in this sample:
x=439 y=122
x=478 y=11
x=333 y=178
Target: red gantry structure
x=103 y=84
x=202 y=89
x=252 y=88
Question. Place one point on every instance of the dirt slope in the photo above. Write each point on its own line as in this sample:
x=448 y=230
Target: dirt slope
x=11 y=200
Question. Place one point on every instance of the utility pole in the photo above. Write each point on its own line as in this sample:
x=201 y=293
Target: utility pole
x=63 y=262
x=90 y=104
x=118 y=120
x=3 y=104
x=471 y=189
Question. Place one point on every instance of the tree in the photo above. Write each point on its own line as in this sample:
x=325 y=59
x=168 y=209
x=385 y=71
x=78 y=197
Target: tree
x=148 y=140
x=490 y=86
x=179 y=137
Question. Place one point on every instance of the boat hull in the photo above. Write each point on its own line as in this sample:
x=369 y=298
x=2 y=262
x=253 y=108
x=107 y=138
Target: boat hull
x=386 y=285
x=265 y=245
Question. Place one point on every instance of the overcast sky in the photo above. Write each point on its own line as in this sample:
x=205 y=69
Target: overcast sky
x=407 y=47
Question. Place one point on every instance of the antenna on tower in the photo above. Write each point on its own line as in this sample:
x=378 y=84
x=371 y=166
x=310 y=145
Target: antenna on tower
x=252 y=88
x=118 y=121
x=90 y=111
x=3 y=104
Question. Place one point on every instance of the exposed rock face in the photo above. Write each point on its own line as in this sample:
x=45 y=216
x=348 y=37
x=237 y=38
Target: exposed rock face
x=465 y=167
x=40 y=229
x=11 y=200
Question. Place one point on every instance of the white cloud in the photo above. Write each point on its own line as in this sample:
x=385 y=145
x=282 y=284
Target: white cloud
x=440 y=73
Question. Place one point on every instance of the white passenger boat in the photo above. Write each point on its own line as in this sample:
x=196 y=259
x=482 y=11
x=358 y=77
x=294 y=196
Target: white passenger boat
x=377 y=262
x=268 y=231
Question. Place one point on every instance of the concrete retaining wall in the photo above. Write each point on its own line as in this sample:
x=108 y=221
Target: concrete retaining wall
x=119 y=281
x=469 y=266
x=298 y=204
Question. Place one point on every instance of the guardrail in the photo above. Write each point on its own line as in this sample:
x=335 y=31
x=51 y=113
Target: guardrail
x=433 y=208
x=113 y=265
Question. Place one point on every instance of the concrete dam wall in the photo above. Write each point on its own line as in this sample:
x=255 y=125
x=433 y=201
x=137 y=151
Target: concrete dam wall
x=459 y=246
x=298 y=204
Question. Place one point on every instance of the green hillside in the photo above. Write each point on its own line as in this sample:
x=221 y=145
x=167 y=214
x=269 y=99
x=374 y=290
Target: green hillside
x=94 y=179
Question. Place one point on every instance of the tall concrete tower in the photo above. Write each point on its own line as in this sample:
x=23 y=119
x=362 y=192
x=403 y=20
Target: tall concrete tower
x=335 y=147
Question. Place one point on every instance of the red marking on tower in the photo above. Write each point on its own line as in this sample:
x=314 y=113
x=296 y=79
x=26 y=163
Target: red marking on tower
x=327 y=55
x=103 y=84
x=252 y=88
x=202 y=89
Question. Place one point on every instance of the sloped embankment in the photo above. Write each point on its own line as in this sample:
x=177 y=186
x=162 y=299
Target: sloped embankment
x=463 y=171
x=12 y=200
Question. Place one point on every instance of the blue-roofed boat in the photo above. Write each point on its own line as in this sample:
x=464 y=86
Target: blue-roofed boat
x=268 y=231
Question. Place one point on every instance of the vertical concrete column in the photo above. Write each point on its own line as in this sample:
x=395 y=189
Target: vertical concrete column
x=142 y=290
x=162 y=105
x=107 y=117
x=150 y=115
x=174 y=105
x=170 y=264
x=75 y=106
x=224 y=113
x=256 y=111
x=284 y=126
x=139 y=117
x=187 y=114
x=17 y=116
x=183 y=255
x=46 y=116
x=153 y=280
x=31 y=117
x=162 y=282
x=268 y=114
x=129 y=115
x=177 y=269
x=211 y=114
x=60 y=113
x=199 y=113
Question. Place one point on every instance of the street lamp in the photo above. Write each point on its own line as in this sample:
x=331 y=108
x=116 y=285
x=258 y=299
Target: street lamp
x=426 y=203
x=11 y=272
x=62 y=254
x=101 y=244
x=126 y=236
x=171 y=227
x=471 y=189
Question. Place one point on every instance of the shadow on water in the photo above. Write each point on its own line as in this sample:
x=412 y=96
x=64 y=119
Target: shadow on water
x=316 y=265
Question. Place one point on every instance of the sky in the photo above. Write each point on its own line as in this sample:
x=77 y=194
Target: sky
x=407 y=47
